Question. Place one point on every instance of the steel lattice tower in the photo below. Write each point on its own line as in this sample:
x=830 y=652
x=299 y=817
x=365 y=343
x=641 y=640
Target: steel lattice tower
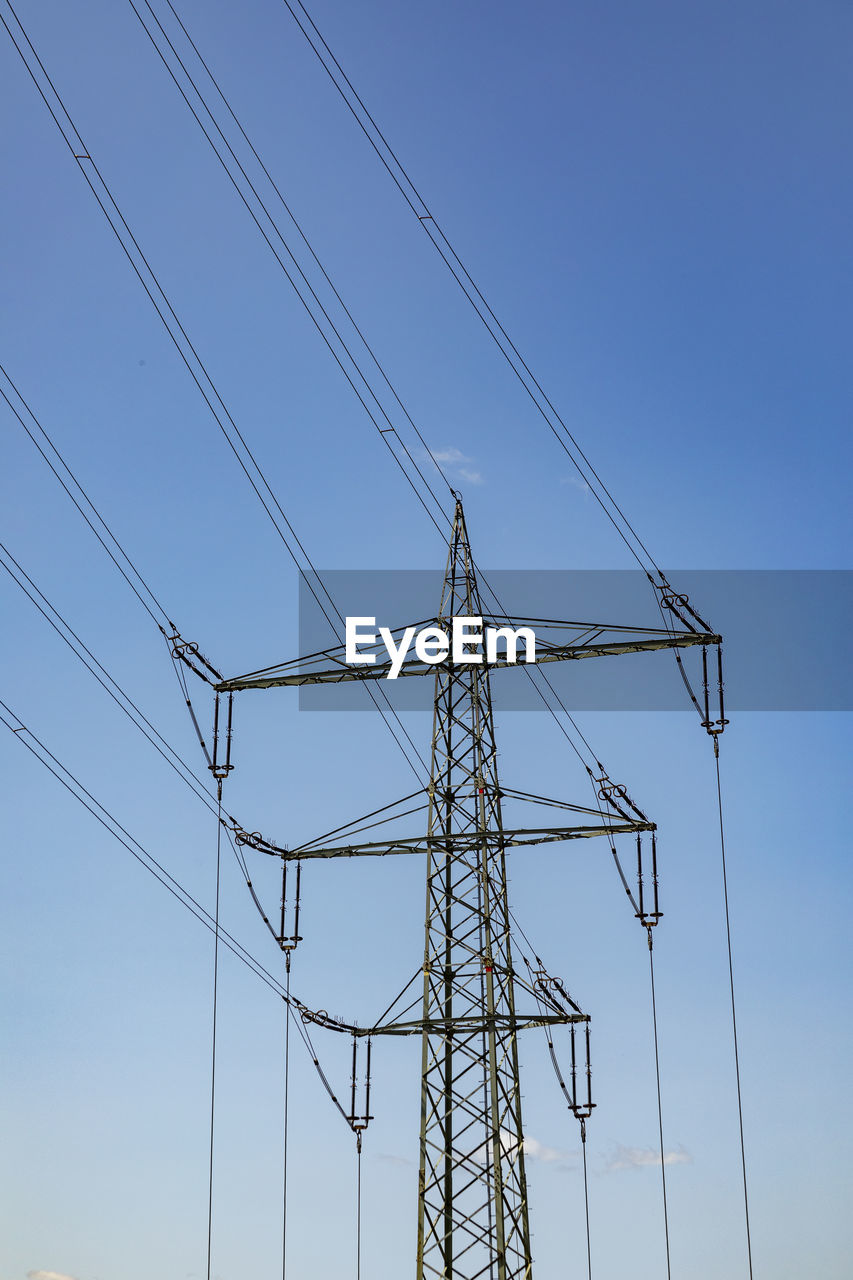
x=472 y=1199
x=472 y=1218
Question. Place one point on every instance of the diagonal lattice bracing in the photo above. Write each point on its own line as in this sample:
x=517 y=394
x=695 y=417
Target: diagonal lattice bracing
x=473 y=1208
x=473 y=1193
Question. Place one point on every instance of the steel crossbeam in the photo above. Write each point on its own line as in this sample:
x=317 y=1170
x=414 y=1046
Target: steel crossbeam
x=304 y=672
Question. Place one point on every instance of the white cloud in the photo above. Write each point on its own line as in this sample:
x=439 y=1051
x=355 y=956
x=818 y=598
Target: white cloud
x=576 y=482
x=48 y=1275
x=454 y=463
x=645 y=1157
x=450 y=455
x=533 y=1150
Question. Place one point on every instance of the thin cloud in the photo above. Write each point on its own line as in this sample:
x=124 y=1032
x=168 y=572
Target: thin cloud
x=533 y=1150
x=645 y=1158
x=455 y=464
x=448 y=456
x=48 y=1275
x=576 y=482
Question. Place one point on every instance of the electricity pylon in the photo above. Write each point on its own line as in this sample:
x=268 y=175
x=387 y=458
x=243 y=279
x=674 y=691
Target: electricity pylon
x=472 y=1213
x=472 y=1196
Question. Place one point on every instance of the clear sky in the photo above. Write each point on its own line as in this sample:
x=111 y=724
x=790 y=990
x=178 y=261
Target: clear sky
x=656 y=200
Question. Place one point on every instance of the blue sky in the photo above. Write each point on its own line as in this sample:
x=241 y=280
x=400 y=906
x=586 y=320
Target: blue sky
x=656 y=201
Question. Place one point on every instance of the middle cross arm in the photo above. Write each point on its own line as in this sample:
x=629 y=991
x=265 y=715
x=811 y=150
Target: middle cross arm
x=588 y=640
x=509 y=839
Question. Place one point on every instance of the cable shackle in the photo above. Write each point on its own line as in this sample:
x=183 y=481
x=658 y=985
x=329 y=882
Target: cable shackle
x=616 y=796
x=678 y=604
x=187 y=650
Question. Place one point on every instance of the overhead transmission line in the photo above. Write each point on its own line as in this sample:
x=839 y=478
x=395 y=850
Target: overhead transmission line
x=137 y=259
x=196 y=368
x=123 y=562
x=111 y=686
x=185 y=772
x=558 y=427
x=565 y=439
x=157 y=296
x=71 y=783
x=324 y=324
x=190 y=357
x=427 y=220
x=82 y=156
x=52 y=456
x=63 y=473
x=358 y=380
x=110 y=823
x=216 y=935
x=198 y=371
x=510 y=352
x=122 y=699
x=733 y=1006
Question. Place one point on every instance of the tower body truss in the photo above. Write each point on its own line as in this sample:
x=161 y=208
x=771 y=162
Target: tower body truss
x=472 y=1199
x=473 y=1213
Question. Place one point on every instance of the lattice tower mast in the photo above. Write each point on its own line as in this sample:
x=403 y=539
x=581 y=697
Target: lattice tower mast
x=472 y=1205
x=472 y=1216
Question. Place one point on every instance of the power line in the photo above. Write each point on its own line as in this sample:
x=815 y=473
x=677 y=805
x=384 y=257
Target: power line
x=37 y=748
x=466 y=283
x=734 y=1012
x=110 y=544
x=216 y=928
x=286 y=1126
x=660 y=1106
x=213 y=1028
x=110 y=686
x=85 y=156
x=200 y=375
x=475 y=297
x=74 y=787
x=238 y=184
x=117 y=553
x=320 y=325
x=128 y=706
x=287 y=208
x=195 y=366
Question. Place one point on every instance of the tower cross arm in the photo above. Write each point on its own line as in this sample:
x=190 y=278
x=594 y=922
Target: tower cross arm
x=591 y=640
x=455 y=844
x=460 y=1027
